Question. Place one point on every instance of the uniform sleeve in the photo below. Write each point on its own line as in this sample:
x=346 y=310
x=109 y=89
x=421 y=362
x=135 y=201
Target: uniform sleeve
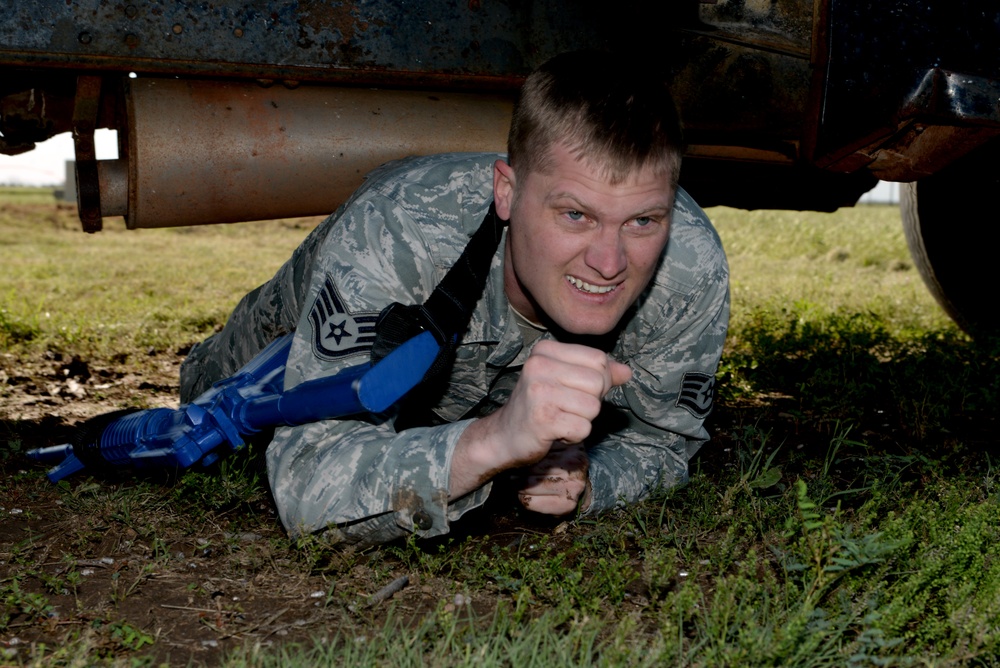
x=359 y=478
x=653 y=424
x=264 y=314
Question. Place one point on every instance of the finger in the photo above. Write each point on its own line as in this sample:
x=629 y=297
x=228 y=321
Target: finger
x=551 y=477
x=562 y=412
x=564 y=420
x=556 y=372
x=571 y=353
x=554 y=485
x=620 y=373
x=612 y=372
x=549 y=505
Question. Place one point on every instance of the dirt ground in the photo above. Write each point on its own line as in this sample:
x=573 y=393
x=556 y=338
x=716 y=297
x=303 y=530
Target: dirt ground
x=102 y=561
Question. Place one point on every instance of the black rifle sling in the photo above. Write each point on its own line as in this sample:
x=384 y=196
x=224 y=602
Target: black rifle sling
x=448 y=310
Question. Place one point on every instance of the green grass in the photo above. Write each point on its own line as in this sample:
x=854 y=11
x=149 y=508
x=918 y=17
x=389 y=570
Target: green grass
x=846 y=512
x=28 y=195
x=109 y=293
x=909 y=577
x=853 y=261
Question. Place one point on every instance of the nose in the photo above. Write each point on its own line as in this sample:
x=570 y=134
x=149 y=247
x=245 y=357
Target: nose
x=606 y=253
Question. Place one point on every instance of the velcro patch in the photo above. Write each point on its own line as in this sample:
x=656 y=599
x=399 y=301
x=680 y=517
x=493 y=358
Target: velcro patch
x=336 y=331
x=697 y=392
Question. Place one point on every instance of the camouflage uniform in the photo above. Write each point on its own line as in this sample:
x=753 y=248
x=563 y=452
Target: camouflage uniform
x=393 y=241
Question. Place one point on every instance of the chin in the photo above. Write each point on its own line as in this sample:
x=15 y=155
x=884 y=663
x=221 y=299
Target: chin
x=583 y=326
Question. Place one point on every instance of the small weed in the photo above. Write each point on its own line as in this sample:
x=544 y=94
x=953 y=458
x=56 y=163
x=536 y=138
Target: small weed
x=65 y=581
x=123 y=635
x=119 y=592
x=14 y=331
x=756 y=470
x=13 y=447
x=16 y=602
x=836 y=443
x=825 y=549
x=237 y=481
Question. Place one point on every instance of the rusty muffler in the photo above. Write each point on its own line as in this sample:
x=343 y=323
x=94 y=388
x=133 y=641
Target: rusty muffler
x=201 y=152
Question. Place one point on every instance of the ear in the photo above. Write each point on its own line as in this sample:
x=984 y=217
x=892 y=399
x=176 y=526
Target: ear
x=503 y=188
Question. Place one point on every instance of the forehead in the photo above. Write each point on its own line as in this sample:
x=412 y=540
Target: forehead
x=570 y=172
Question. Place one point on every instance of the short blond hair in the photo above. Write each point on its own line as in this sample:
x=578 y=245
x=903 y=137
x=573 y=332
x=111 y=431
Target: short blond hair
x=604 y=108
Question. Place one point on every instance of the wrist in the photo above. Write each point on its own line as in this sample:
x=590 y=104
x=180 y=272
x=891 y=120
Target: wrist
x=475 y=460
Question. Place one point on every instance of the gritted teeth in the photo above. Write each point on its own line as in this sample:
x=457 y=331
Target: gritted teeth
x=587 y=287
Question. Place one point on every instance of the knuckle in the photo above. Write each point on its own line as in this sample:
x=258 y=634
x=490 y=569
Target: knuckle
x=536 y=366
x=544 y=412
x=591 y=407
x=532 y=363
x=595 y=383
x=579 y=431
x=544 y=346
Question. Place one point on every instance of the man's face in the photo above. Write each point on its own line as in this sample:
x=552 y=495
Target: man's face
x=580 y=250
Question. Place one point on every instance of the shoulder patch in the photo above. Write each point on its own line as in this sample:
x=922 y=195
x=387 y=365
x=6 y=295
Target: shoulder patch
x=696 y=394
x=336 y=331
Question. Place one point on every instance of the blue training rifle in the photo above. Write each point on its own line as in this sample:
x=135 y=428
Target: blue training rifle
x=216 y=422
x=413 y=344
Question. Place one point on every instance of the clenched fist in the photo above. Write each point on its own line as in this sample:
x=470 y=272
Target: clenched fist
x=554 y=402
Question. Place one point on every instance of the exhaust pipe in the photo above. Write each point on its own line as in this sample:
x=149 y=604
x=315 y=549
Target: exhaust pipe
x=200 y=152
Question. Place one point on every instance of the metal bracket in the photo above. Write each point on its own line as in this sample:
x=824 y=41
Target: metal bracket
x=88 y=191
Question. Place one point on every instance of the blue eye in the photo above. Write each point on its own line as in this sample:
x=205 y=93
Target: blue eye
x=642 y=221
x=574 y=215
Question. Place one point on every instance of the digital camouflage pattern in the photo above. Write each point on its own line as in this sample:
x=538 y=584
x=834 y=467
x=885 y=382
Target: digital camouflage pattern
x=393 y=242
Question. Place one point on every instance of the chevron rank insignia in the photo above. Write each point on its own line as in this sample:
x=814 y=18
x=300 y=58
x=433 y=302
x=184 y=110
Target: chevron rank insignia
x=697 y=392
x=336 y=331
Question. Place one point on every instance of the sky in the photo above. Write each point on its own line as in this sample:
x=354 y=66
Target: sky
x=46 y=165
x=885 y=192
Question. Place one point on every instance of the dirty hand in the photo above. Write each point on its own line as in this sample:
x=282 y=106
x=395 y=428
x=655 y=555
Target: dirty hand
x=554 y=485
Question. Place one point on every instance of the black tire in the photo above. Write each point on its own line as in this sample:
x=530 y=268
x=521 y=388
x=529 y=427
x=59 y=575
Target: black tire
x=950 y=232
